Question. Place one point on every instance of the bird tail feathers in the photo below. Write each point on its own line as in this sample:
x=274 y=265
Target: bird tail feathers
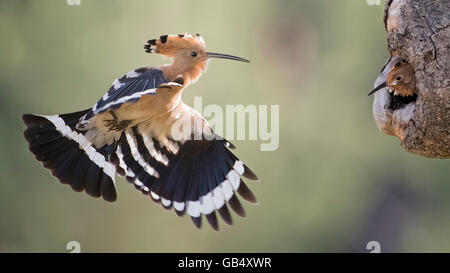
x=69 y=154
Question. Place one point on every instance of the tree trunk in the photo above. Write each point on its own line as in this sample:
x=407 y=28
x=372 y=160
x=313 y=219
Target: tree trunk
x=419 y=31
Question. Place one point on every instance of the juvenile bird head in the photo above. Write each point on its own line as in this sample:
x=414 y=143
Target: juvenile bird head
x=401 y=79
x=188 y=52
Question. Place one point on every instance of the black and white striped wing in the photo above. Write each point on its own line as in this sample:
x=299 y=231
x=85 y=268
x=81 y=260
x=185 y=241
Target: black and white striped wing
x=69 y=154
x=196 y=176
x=129 y=88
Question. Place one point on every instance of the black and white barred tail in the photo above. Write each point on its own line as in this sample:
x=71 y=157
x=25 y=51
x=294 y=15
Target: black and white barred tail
x=69 y=155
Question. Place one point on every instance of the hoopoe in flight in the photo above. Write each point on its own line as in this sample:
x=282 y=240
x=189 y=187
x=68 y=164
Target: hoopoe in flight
x=142 y=130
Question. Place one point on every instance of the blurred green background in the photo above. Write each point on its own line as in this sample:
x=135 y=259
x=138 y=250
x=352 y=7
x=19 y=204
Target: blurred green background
x=334 y=184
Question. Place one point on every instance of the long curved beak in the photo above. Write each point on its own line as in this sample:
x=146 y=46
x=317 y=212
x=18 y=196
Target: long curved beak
x=383 y=85
x=225 y=56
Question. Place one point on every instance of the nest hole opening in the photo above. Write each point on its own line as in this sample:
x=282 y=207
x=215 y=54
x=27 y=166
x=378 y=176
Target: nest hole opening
x=398 y=102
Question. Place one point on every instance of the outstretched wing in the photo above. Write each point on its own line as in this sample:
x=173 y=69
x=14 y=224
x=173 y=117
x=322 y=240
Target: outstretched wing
x=129 y=88
x=193 y=176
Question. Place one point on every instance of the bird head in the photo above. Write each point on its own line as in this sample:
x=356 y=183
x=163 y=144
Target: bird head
x=400 y=79
x=188 y=52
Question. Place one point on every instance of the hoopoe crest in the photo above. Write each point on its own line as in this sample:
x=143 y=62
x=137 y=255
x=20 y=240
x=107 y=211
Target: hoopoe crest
x=129 y=132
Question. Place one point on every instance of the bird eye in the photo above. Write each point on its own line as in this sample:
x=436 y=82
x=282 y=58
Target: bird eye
x=194 y=54
x=399 y=78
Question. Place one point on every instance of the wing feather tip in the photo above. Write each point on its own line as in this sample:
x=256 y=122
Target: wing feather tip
x=249 y=174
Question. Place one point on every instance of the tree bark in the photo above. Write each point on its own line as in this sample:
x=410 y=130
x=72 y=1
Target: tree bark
x=419 y=31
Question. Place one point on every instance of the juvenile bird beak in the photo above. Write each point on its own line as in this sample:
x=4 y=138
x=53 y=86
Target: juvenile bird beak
x=383 y=85
x=225 y=56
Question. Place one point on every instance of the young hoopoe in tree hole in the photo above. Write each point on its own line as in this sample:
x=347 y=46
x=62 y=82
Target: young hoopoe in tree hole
x=400 y=79
x=129 y=131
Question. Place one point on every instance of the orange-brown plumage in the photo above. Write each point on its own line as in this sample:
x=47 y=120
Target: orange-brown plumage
x=181 y=49
x=189 y=55
x=400 y=79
